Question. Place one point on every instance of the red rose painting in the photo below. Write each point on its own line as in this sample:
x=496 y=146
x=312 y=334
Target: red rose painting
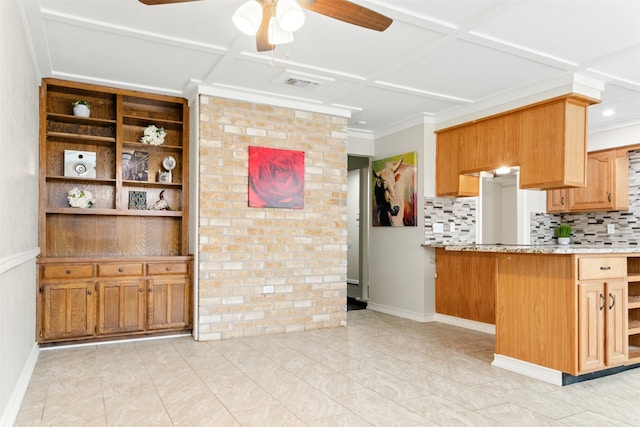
x=276 y=178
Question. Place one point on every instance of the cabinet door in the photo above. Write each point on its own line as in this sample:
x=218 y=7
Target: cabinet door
x=556 y=200
x=617 y=343
x=68 y=310
x=552 y=145
x=121 y=306
x=449 y=182
x=598 y=194
x=591 y=331
x=490 y=144
x=168 y=303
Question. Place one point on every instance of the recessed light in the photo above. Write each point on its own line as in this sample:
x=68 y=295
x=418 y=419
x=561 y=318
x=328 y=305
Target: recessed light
x=608 y=112
x=361 y=123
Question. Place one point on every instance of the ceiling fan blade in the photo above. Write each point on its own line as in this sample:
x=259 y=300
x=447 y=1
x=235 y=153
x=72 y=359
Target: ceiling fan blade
x=262 y=36
x=155 y=2
x=346 y=11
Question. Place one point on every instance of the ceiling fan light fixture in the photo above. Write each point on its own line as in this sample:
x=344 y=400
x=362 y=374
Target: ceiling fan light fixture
x=248 y=17
x=277 y=35
x=290 y=15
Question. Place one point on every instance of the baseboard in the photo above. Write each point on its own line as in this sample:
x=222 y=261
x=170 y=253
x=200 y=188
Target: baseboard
x=466 y=323
x=528 y=369
x=19 y=390
x=405 y=314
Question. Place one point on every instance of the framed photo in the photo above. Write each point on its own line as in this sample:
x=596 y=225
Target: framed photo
x=276 y=178
x=138 y=200
x=393 y=191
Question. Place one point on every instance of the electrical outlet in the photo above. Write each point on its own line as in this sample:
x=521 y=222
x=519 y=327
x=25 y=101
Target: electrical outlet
x=611 y=228
x=452 y=227
x=438 y=228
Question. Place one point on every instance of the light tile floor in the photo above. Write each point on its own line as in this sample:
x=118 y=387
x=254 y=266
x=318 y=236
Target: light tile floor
x=380 y=370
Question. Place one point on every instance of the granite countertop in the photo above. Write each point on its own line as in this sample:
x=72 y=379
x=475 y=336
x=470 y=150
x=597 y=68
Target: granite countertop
x=539 y=249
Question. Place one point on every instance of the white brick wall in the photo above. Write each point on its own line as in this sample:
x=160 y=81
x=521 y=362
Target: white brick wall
x=265 y=270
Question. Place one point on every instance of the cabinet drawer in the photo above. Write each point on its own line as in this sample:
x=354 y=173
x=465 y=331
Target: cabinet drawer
x=167 y=268
x=67 y=271
x=601 y=268
x=124 y=269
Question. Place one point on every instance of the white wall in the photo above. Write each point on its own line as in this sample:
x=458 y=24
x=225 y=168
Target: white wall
x=401 y=271
x=18 y=212
x=629 y=135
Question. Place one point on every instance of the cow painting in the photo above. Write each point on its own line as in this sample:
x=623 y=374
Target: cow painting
x=394 y=191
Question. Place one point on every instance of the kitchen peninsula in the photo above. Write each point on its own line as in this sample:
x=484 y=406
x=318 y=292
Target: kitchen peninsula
x=563 y=312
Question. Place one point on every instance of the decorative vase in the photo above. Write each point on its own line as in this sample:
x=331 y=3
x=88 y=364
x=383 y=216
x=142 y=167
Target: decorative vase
x=564 y=240
x=81 y=110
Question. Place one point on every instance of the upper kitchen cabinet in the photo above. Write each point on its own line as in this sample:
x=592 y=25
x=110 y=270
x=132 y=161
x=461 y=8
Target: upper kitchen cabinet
x=548 y=140
x=449 y=180
x=489 y=143
x=607 y=186
x=552 y=146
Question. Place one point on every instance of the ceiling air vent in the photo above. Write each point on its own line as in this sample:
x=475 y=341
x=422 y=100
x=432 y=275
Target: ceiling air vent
x=301 y=83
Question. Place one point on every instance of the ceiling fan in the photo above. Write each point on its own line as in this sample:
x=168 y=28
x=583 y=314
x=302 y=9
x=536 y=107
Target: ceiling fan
x=341 y=10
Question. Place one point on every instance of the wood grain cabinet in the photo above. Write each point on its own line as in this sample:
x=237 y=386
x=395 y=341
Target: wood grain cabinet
x=138 y=218
x=602 y=313
x=607 y=186
x=547 y=140
x=489 y=143
x=449 y=180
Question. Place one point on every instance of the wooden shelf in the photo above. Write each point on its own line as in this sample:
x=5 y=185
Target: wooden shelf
x=112 y=212
x=80 y=180
x=634 y=327
x=139 y=146
x=67 y=118
x=633 y=277
x=633 y=301
x=81 y=138
x=145 y=121
x=167 y=185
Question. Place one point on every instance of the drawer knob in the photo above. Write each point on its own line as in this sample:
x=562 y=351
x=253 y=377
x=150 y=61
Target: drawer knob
x=605 y=268
x=141 y=290
x=168 y=268
x=150 y=289
x=120 y=269
x=89 y=293
x=68 y=271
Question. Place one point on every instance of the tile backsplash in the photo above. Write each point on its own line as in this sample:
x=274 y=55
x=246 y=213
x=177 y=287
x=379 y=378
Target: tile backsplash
x=443 y=210
x=590 y=228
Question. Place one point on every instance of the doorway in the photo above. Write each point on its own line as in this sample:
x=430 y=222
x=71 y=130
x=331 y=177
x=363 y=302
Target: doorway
x=499 y=205
x=357 y=229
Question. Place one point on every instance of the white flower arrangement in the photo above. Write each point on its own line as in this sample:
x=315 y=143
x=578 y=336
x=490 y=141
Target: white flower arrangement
x=153 y=135
x=80 y=198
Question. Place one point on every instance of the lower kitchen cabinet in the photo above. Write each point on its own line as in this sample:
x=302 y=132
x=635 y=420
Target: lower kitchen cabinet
x=112 y=298
x=602 y=330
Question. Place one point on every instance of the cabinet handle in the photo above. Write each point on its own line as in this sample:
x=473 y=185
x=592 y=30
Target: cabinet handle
x=604 y=302
x=606 y=268
x=168 y=268
x=68 y=271
x=141 y=290
x=120 y=270
x=562 y=200
x=150 y=289
x=89 y=293
x=609 y=197
x=613 y=300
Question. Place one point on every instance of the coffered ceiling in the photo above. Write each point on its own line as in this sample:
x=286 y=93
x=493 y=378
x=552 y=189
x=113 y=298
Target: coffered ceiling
x=439 y=59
